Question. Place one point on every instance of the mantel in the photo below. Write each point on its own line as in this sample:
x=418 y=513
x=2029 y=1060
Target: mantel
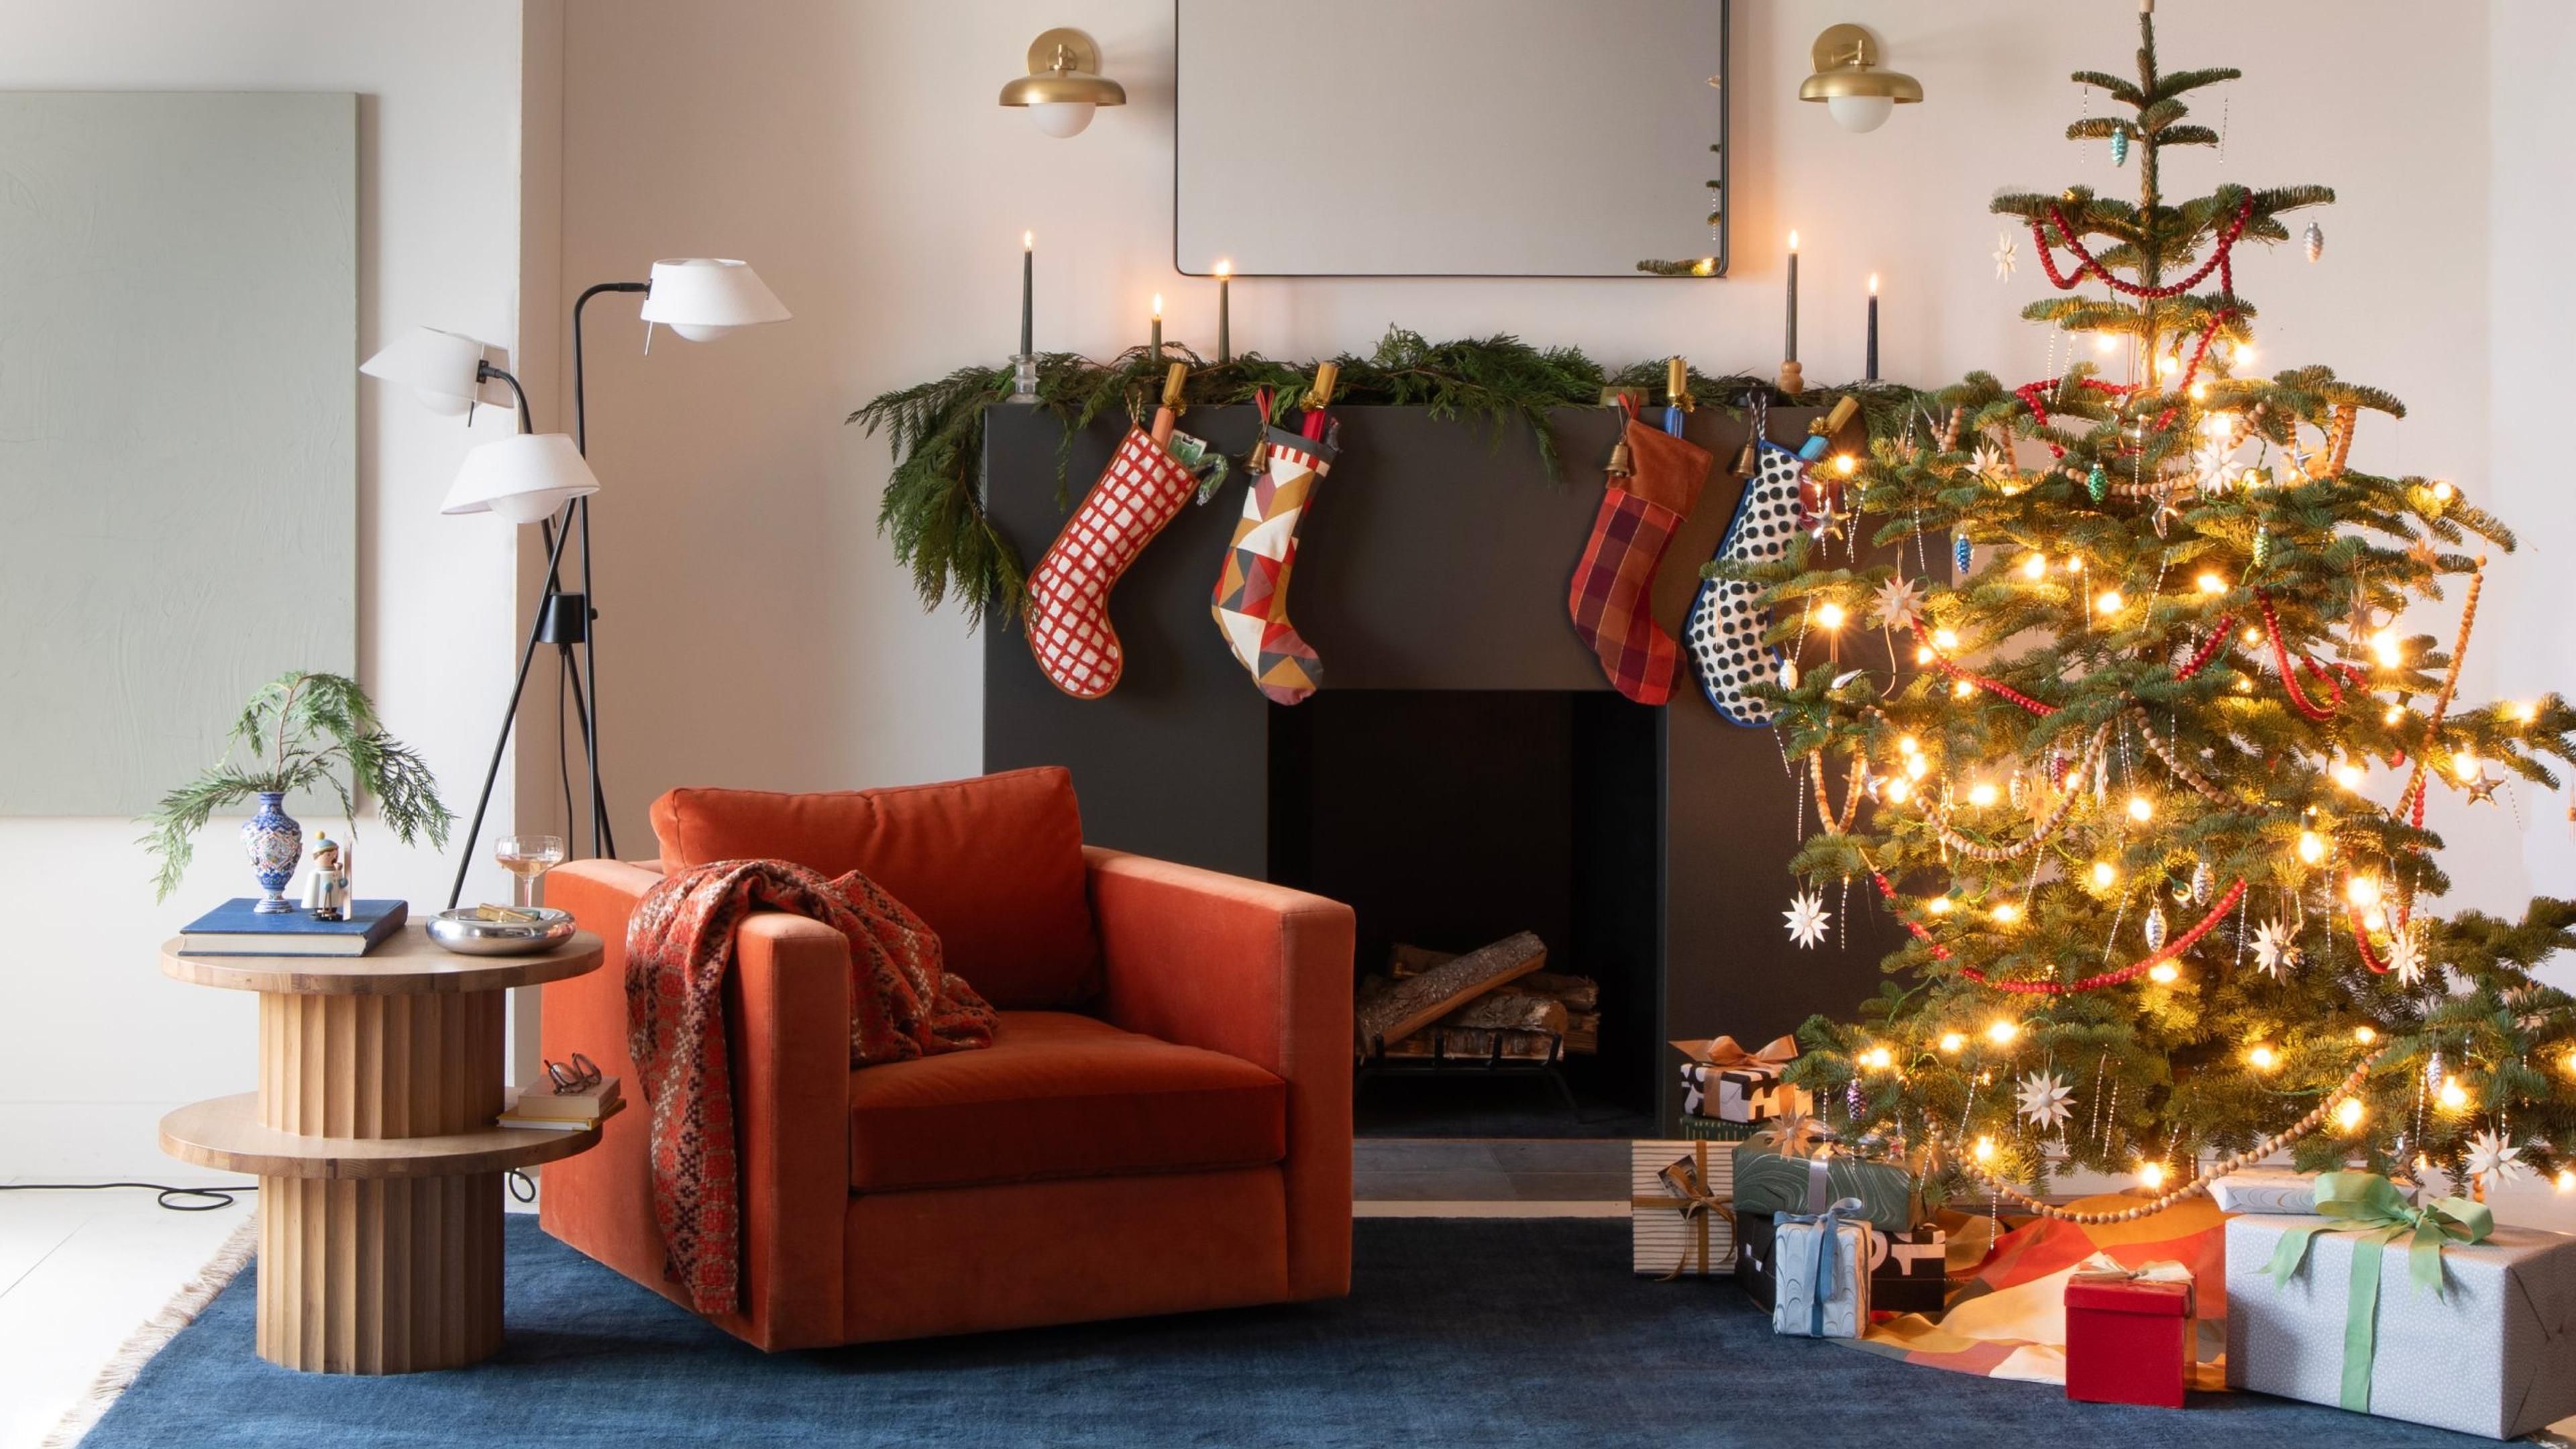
x=1436 y=557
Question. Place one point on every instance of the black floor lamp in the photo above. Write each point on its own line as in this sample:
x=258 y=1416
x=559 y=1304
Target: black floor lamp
x=545 y=479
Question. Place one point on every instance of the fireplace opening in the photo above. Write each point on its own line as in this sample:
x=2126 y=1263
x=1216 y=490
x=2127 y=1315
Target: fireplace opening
x=1452 y=820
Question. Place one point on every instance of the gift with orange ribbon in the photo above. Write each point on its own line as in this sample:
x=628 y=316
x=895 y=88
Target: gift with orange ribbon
x=1723 y=1080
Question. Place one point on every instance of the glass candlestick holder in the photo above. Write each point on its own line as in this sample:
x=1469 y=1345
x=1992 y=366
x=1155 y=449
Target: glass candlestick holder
x=1024 y=378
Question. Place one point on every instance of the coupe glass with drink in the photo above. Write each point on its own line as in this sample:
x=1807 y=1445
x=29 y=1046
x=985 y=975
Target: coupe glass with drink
x=526 y=858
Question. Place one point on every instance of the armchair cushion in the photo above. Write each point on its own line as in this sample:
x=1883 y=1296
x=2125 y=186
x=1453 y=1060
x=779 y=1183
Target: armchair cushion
x=1060 y=1096
x=993 y=864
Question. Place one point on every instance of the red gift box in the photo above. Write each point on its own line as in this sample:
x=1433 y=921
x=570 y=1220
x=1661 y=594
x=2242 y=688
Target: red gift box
x=2128 y=1341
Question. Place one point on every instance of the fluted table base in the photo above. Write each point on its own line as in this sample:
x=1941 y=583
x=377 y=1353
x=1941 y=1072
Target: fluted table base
x=379 y=1275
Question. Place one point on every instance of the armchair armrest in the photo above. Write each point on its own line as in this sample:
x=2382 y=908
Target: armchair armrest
x=787 y=1014
x=1259 y=972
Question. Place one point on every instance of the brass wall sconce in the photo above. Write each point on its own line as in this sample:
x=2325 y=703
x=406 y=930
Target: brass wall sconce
x=1064 y=84
x=1859 y=95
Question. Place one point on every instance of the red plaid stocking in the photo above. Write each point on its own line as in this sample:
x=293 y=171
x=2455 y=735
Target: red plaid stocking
x=1612 y=596
x=1068 y=622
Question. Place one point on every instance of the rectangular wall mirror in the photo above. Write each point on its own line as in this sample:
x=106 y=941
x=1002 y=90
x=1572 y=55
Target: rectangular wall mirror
x=178 y=428
x=1465 y=138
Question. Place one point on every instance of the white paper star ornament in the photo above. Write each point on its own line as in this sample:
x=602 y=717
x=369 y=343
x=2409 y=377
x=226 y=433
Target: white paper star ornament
x=2046 y=1099
x=1807 y=918
x=2275 y=950
x=2490 y=1157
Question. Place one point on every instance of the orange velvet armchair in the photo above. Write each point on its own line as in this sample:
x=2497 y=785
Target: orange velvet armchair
x=1163 y=1122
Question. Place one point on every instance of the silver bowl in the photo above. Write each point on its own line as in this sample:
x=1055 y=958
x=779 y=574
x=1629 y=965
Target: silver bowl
x=462 y=932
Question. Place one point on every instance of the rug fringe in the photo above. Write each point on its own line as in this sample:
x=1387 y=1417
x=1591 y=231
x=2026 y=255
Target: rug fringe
x=155 y=1334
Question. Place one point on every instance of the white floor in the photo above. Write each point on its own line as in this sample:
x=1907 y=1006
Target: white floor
x=79 y=1272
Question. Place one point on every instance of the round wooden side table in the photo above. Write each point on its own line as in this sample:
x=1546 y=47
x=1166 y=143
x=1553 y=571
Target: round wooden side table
x=372 y=1136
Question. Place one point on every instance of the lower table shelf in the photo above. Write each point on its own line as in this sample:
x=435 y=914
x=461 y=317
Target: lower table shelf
x=225 y=1133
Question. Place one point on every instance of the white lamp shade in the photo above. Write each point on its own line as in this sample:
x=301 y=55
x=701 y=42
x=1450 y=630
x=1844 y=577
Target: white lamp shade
x=703 y=298
x=1061 y=119
x=444 y=369
x=1860 y=113
x=522 y=478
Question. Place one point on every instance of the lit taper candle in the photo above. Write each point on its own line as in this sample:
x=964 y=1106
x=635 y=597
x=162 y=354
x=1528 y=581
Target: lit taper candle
x=1869 y=370
x=1158 y=326
x=1791 y=354
x=1224 y=313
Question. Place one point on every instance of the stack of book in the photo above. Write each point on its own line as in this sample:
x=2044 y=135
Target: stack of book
x=234 y=929
x=543 y=1106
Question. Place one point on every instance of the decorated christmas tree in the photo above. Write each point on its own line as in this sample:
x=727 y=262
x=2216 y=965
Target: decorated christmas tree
x=2145 y=779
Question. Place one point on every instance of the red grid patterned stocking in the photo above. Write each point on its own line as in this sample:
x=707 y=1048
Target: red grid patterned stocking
x=1068 y=623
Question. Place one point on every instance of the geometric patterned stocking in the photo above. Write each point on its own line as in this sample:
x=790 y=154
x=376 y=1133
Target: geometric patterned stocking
x=1251 y=603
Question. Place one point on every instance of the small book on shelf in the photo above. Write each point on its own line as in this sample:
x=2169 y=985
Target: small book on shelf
x=234 y=929
x=542 y=1106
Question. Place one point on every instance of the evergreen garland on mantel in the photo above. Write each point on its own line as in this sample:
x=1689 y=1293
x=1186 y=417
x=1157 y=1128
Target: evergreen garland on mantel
x=933 y=510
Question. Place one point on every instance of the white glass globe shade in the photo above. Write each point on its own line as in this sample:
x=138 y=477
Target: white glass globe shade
x=1062 y=118
x=1861 y=113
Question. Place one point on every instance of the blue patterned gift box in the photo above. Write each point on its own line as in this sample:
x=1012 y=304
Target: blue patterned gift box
x=1820 y=1266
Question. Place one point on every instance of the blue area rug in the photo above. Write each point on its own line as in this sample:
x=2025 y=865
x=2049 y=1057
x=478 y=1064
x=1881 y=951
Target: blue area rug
x=1485 y=1332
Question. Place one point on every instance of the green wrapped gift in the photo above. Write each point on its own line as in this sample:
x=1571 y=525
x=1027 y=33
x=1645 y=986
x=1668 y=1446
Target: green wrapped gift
x=1713 y=1129
x=1768 y=1182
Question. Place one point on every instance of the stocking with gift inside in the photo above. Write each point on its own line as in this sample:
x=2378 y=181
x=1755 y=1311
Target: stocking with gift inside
x=1142 y=489
x=1726 y=626
x=1251 y=603
x=1612 y=596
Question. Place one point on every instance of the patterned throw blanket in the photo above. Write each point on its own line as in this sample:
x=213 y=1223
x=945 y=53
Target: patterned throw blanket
x=904 y=1004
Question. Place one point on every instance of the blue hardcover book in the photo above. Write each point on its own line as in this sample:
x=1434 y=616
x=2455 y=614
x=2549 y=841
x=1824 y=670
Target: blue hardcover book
x=234 y=929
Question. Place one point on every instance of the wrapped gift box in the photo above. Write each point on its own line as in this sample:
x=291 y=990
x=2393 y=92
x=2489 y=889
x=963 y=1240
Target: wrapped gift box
x=1908 y=1271
x=2276 y=1190
x=2129 y=1337
x=1724 y=1081
x=2492 y=1355
x=1679 y=1220
x=1767 y=1182
x=1822 y=1285
x=1711 y=1129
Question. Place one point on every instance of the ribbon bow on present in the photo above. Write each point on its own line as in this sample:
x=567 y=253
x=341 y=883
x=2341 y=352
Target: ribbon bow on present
x=2370 y=1207
x=1828 y=1251
x=1687 y=1180
x=2103 y=1268
x=1724 y=1055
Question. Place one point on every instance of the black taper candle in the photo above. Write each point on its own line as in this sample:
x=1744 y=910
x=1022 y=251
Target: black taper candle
x=1869 y=372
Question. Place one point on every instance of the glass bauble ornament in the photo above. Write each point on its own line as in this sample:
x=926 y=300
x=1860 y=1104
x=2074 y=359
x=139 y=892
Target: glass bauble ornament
x=2119 y=148
x=2097 y=483
x=2315 y=239
x=2155 y=928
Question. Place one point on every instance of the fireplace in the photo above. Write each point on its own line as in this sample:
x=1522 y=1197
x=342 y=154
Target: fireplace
x=1465 y=772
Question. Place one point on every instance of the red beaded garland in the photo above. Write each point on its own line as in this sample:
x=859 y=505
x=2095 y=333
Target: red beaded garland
x=2006 y=691
x=2218 y=260
x=2130 y=972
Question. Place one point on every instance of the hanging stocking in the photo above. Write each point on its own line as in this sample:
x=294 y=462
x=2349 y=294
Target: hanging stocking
x=1251 y=605
x=1725 y=628
x=1068 y=623
x=1612 y=599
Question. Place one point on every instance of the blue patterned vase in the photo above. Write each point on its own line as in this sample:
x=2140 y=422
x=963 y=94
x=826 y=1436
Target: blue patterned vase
x=274 y=843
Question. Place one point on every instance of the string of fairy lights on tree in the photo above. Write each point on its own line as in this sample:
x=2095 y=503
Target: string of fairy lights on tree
x=2149 y=801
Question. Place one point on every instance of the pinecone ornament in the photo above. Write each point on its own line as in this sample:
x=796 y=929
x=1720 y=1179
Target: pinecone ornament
x=2315 y=239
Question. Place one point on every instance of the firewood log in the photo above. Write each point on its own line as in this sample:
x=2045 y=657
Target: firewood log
x=1417 y=1001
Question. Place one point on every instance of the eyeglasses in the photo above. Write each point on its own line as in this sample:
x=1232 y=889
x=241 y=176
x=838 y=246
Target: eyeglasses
x=580 y=1076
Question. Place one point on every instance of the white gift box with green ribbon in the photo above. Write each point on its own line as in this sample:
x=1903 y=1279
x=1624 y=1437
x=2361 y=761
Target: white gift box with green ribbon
x=2432 y=1314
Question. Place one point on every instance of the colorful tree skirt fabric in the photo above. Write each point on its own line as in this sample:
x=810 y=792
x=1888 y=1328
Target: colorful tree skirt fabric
x=2009 y=1320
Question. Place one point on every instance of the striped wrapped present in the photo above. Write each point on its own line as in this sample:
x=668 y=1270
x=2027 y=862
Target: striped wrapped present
x=1681 y=1215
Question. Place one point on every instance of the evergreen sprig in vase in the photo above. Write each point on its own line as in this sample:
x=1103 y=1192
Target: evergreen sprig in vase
x=274 y=842
x=301 y=731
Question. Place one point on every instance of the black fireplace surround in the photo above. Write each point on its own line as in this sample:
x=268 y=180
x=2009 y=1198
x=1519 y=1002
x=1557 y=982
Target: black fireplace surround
x=1466 y=771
